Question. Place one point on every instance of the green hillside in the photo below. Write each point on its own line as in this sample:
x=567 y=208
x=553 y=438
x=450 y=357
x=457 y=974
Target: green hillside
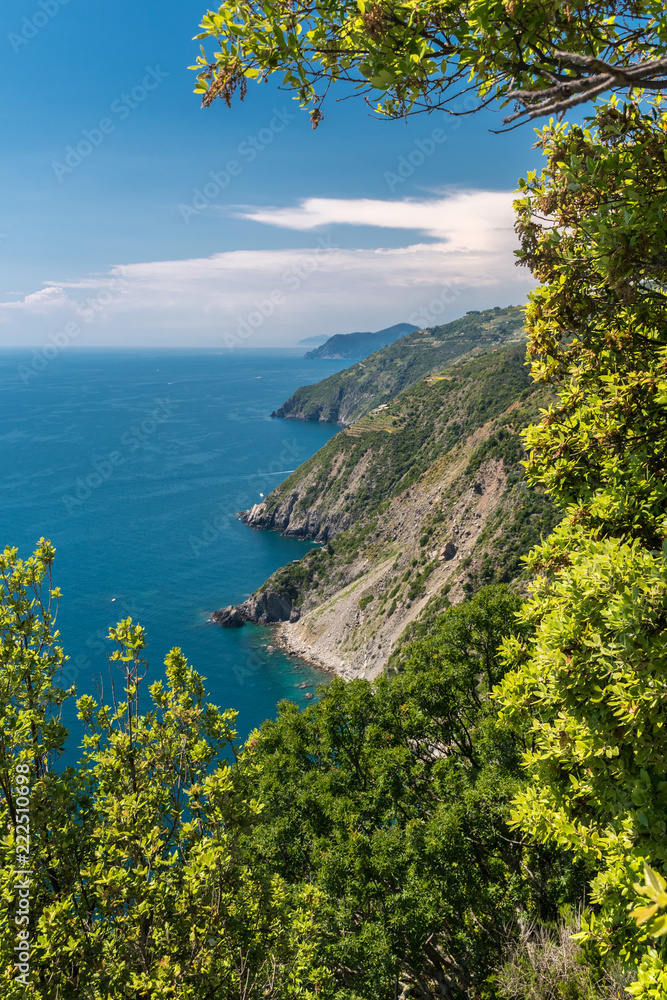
x=377 y=379
x=417 y=504
x=397 y=445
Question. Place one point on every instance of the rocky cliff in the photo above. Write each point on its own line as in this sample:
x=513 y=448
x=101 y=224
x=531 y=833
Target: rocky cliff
x=415 y=505
x=265 y=608
x=363 y=467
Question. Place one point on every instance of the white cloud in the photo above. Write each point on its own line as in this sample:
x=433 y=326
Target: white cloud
x=465 y=220
x=45 y=300
x=264 y=297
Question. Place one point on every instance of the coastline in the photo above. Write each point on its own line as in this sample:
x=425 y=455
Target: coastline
x=350 y=637
x=346 y=607
x=285 y=640
x=282 y=640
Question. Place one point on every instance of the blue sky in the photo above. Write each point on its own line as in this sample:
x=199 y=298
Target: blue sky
x=174 y=225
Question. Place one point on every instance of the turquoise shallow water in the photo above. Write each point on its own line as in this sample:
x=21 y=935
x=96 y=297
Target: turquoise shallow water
x=134 y=464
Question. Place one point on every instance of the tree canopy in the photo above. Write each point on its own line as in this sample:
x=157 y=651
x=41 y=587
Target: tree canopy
x=404 y=56
x=591 y=679
x=593 y=229
x=135 y=885
x=351 y=851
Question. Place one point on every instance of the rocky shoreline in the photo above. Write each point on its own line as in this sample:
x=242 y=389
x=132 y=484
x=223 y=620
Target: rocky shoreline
x=284 y=641
x=342 y=633
x=274 y=609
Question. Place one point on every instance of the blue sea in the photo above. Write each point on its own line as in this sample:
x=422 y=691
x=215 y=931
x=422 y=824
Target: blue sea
x=134 y=464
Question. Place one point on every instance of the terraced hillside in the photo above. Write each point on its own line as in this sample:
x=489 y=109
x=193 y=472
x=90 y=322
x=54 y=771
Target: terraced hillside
x=379 y=378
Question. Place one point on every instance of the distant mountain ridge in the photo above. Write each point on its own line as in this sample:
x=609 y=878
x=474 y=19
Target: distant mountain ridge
x=359 y=345
x=321 y=338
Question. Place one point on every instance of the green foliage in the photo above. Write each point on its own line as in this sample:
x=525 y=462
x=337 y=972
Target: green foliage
x=292 y=579
x=597 y=326
x=592 y=684
x=30 y=730
x=654 y=888
x=137 y=888
x=391 y=799
x=346 y=850
x=419 y=56
x=591 y=680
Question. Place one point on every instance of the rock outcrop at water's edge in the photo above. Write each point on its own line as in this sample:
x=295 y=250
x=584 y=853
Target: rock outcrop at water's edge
x=288 y=518
x=266 y=608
